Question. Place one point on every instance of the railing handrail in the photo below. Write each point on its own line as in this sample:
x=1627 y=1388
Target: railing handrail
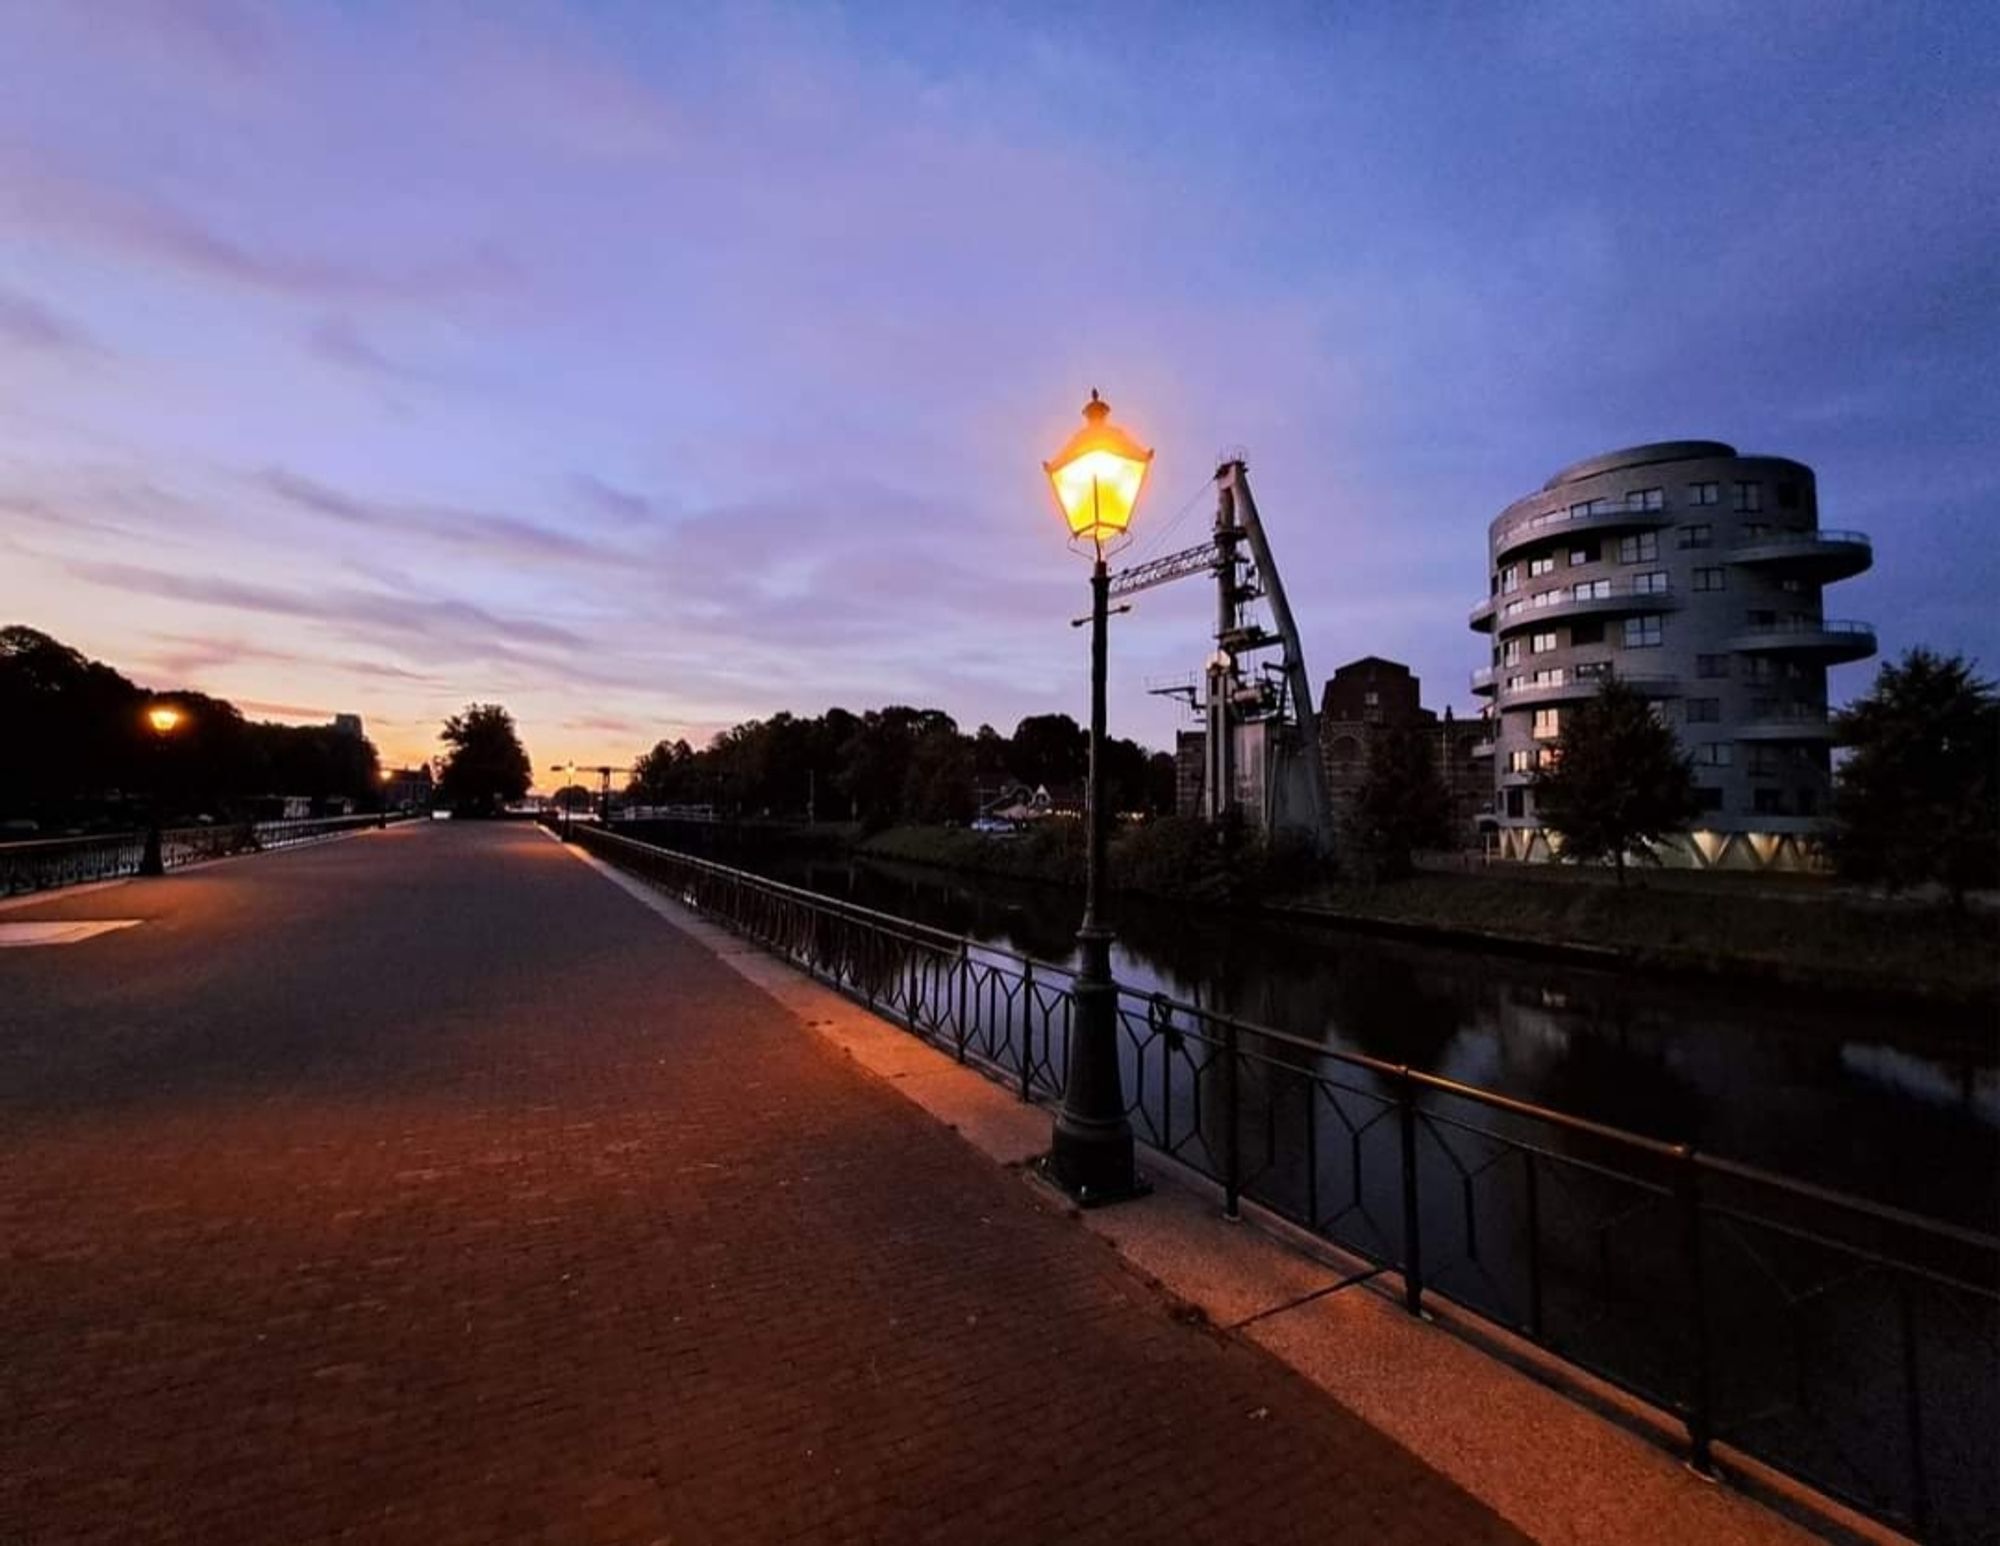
x=1655 y=1148
x=1809 y=625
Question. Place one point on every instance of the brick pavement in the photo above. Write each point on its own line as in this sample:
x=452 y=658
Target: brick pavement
x=425 y=1187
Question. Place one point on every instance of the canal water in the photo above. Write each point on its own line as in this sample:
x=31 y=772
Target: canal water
x=1902 y=1106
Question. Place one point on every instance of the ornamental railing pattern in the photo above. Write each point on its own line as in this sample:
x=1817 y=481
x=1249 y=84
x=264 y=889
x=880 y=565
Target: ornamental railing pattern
x=1853 y=1346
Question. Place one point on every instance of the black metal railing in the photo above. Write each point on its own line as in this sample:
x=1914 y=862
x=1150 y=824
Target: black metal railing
x=43 y=864
x=1847 y=1344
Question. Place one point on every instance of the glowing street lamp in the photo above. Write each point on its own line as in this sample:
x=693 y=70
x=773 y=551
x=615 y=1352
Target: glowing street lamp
x=1097 y=479
x=163 y=719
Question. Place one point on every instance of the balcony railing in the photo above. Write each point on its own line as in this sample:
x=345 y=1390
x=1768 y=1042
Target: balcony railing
x=1834 y=640
x=1563 y=523
x=1483 y=679
x=1829 y=1337
x=1567 y=603
x=1830 y=555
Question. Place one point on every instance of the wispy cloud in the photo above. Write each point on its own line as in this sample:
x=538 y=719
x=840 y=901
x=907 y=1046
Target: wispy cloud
x=26 y=323
x=492 y=534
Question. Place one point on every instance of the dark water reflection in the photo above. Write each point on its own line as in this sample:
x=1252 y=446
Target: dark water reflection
x=1901 y=1107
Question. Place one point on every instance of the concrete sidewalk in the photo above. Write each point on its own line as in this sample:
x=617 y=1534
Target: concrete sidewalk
x=425 y=1187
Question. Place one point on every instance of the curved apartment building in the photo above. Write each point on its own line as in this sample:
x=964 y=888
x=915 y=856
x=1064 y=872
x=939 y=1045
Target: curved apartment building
x=1697 y=575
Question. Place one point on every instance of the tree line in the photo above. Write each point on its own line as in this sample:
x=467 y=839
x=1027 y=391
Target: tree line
x=77 y=749
x=892 y=766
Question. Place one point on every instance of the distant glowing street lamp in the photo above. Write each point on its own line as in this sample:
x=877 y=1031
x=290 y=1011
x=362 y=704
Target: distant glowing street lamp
x=1096 y=478
x=382 y=805
x=163 y=719
x=562 y=796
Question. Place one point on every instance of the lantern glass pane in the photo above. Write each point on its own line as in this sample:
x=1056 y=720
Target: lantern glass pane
x=1097 y=491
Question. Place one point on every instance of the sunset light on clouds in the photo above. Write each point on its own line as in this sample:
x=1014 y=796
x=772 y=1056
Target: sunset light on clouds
x=648 y=369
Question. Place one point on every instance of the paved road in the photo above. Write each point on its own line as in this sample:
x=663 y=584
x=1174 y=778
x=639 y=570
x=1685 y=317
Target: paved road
x=425 y=1187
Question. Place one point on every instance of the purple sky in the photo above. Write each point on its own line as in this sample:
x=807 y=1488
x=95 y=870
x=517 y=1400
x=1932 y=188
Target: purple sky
x=648 y=369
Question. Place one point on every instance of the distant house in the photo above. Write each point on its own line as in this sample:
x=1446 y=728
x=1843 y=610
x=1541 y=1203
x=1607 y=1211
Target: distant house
x=408 y=789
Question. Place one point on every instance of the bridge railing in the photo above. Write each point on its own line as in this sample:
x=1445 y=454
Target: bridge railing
x=1850 y=1345
x=43 y=864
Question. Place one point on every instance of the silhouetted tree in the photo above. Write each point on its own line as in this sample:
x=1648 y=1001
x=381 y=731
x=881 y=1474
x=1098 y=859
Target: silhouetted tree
x=1618 y=783
x=1050 y=749
x=1918 y=798
x=1401 y=805
x=487 y=767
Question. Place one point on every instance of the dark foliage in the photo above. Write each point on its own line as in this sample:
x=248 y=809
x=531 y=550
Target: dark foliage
x=892 y=766
x=1402 y=806
x=1918 y=798
x=78 y=750
x=1619 y=782
x=487 y=767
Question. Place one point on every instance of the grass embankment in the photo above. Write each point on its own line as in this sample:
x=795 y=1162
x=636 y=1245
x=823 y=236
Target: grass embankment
x=1800 y=930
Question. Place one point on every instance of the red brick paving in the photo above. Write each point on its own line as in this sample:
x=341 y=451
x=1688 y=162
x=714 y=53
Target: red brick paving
x=424 y=1187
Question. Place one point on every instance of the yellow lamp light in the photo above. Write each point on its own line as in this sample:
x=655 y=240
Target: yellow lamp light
x=1098 y=475
x=163 y=719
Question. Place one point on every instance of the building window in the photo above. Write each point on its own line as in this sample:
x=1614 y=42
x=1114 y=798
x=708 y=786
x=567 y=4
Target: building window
x=1537 y=567
x=1548 y=724
x=1643 y=548
x=1579 y=556
x=1592 y=507
x=1548 y=676
x=1547 y=756
x=1371 y=697
x=1704 y=493
x=1646 y=499
x=1713 y=754
x=1767 y=801
x=1793 y=587
x=1542 y=643
x=1707 y=798
x=1704 y=711
x=1700 y=535
x=1708 y=579
x=1653 y=584
x=1517 y=801
x=1520 y=762
x=1548 y=598
x=1756 y=531
x=1760 y=668
x=1764 y=761
x=1642 y=633
x=1591 y=632
x=1590 y=590
x=1749 y=496
x=1593 y=670
x=1512 y=653
x=1711 y=665
x=1510 y=579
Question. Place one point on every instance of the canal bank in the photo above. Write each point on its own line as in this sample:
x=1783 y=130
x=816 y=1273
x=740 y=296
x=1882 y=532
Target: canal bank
x=1794 y=932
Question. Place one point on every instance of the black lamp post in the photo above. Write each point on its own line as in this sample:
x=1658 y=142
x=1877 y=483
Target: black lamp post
x=163 y=719
x=562 y=797
x=1096 y=478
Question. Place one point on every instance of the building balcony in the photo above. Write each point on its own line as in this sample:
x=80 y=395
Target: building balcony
x=1573 y=689
x=1483 y=679
x=1481 y=619
x=1822 y=556
x=1482 y=750
x=1831 y=643
x=1801 y=722
x=1618 y=603
x=1559 y=525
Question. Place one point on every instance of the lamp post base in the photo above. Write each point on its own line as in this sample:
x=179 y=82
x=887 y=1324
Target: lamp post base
x=151 y=861
x=1090 y=1150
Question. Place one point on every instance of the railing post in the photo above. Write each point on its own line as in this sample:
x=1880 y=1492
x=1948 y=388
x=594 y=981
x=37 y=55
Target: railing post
x=1027 y=1029
x=1699 y=1416
x=1413 y=1245
x=963 y=970
x=1534 y=1248
x=1232 y=1120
